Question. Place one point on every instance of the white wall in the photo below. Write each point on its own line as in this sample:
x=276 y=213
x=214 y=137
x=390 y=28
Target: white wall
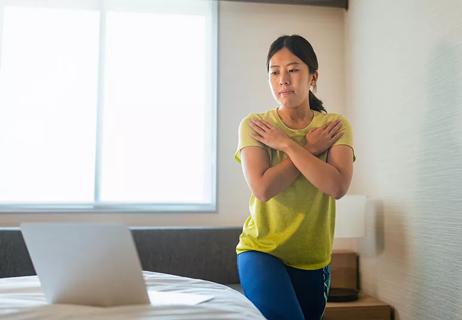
x=245 y=31
x=403 y=95
x=404 y=98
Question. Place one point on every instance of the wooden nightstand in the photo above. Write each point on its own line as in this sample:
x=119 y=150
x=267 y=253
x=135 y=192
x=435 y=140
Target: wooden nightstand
x=365 y=308
x=345 y=274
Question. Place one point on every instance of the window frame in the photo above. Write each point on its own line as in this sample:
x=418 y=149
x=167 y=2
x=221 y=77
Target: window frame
x=212 y=106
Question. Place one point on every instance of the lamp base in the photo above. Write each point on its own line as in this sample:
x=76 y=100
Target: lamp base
x=342 y=295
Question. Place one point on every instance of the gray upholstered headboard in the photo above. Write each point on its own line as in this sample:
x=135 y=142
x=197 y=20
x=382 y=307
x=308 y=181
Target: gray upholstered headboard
x=204 y=253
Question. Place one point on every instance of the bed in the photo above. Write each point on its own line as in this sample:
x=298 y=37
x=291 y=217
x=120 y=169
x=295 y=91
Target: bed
x=22 y=298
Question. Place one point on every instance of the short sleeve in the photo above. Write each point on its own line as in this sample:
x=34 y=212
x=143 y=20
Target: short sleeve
x=347 y=137
x=245 y=138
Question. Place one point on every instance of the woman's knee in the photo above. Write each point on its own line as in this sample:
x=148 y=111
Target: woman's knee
x=311 y=287
x=266 y=283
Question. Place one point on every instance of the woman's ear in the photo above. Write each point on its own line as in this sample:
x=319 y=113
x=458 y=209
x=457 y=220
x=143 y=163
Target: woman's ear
x=314 y=78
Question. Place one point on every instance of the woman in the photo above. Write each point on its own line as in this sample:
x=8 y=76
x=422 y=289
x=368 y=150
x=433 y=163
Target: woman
x=297 y=159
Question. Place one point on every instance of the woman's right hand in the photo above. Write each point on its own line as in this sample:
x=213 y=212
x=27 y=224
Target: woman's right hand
x=319 y=140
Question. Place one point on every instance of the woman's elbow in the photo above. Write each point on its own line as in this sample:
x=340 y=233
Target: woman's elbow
x=339 y=192
x=338 y=196
x=259 y=189
x=262 y=196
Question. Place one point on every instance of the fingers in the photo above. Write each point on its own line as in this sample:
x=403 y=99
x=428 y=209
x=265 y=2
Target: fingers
x=333 y=127
x=257 y=137
x=262 y=124
x=257 y=129
x=337 y=136
x=329 y=130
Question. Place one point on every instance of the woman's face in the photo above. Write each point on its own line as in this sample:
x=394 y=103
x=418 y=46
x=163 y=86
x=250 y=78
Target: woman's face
x=289 y=79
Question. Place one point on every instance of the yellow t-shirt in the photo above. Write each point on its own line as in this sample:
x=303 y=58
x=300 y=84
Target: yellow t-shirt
x=296 y=225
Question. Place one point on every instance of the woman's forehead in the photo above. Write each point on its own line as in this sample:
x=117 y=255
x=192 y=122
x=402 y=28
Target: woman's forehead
x=284 y=57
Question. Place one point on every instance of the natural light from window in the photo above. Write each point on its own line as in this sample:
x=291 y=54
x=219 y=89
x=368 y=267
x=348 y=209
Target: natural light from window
x=154 y=124
x=106 y=107
x=47 y=105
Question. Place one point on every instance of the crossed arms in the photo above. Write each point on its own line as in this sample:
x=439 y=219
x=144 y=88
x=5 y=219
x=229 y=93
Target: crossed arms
x=332 y=177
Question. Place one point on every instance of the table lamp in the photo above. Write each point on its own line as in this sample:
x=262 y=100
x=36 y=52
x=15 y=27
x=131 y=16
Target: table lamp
x=349 y=223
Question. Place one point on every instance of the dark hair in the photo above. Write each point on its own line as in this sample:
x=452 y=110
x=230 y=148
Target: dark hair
x=300 y=47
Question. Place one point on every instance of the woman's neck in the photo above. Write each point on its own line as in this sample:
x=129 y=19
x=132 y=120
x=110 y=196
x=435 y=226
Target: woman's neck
x=296 y=117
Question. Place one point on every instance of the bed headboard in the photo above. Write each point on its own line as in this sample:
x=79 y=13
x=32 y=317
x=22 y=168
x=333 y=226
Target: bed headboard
x=203 y=253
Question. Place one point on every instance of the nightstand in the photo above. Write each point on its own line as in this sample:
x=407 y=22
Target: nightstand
x=345 y=274
x=365 y=308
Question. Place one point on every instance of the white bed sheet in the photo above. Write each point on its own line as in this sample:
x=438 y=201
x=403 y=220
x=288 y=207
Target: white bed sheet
x=21 y=298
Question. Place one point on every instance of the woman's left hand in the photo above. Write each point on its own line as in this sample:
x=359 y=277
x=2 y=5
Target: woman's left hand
x=272 y=136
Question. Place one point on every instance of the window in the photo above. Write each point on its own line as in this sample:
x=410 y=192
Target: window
x=108 y=106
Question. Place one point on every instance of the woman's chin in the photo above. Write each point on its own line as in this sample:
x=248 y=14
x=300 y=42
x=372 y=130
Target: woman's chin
x=289 y=104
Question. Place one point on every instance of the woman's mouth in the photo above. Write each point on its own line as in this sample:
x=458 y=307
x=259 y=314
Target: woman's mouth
x=286 y=93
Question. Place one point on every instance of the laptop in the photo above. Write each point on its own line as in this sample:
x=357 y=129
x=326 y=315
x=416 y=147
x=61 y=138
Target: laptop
x=87 y=264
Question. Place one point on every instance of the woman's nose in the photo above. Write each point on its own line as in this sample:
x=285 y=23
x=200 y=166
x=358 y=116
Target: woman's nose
x=284 y=79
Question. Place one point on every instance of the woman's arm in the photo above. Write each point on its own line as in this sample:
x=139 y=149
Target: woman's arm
x=264 y=181
x=333 y=177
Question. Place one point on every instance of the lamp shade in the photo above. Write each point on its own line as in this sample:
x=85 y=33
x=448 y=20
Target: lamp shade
x=350 y=216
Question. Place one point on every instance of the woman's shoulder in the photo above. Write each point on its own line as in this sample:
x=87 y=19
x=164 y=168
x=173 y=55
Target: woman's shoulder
x=327 y=117
x=266 y=115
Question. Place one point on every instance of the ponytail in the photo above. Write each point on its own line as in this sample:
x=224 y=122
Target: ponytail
x=315 y=103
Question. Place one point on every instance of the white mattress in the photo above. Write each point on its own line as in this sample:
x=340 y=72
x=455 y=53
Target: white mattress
x=22 y=298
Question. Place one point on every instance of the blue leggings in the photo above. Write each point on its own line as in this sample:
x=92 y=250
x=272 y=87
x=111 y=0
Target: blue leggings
x=282 y=292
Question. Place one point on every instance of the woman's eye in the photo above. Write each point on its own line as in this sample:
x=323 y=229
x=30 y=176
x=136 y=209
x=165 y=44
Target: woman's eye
x=273 y=73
